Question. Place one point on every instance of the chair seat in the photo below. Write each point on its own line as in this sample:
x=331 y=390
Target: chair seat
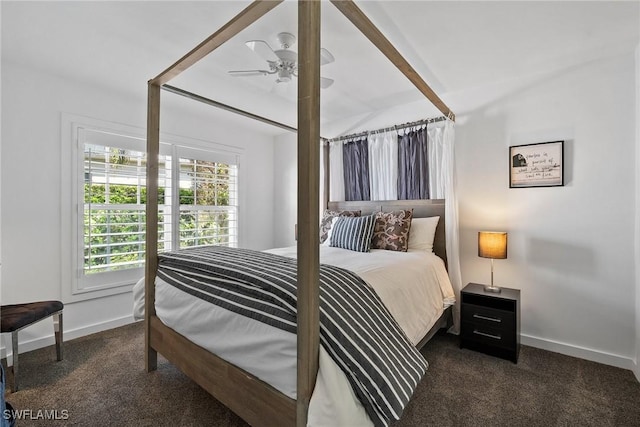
x=17 y=316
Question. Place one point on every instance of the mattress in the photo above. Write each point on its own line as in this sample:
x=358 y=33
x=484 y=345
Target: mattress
x=413 y=285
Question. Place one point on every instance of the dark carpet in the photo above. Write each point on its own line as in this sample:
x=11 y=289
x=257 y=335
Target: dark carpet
x=102 y=382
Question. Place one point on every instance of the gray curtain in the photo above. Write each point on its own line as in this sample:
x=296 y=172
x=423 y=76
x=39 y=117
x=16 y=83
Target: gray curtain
x=413 y=165
x=356 y=170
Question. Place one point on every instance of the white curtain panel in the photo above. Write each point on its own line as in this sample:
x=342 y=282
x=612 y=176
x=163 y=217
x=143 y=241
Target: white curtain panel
x=441 y=146
x=383 y=165
x=336 y=172
x=435 y=132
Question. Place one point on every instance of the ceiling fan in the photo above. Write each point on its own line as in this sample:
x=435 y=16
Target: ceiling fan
x=282 y=62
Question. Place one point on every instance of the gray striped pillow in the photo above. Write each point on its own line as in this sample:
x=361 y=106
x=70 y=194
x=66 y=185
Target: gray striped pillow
x=353 y=233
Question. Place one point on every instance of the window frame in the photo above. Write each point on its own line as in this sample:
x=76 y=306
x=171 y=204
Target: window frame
x=77 y=286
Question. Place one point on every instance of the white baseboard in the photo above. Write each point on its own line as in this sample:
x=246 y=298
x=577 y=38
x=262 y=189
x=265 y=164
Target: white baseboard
x=48 y=340
x=636 y=370
x=581 y=352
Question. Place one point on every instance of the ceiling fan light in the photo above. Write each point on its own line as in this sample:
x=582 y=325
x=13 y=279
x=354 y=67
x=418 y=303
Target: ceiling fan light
x=286 y=39
x=284 y=76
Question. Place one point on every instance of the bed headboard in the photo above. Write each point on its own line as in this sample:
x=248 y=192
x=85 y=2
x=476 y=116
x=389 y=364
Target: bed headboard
x=421 y=209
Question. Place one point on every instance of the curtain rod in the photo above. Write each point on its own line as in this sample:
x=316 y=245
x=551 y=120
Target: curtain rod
x=226 y=107
x=217 y=104
x=390 y=128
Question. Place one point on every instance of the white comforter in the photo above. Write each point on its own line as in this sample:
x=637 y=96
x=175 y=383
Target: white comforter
x=413 y=285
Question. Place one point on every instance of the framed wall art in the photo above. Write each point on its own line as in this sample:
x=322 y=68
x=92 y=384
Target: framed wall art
x=536 y=165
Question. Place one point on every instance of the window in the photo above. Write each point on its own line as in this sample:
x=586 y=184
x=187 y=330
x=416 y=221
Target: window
x=208 y=203
x=197 y=204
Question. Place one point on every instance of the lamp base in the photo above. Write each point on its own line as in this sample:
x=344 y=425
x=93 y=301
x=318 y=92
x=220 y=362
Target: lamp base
x=494 y=289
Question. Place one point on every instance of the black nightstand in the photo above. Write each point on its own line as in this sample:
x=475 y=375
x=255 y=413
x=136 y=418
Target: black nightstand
x=491 y=321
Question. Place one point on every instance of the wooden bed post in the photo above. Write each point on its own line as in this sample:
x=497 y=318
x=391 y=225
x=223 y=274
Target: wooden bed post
x=249 y=15
x=151 y=254
x=308 y=203
x=255 y=401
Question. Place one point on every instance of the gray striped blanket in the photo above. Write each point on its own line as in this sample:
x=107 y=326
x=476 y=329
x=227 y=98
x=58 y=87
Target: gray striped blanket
x=356 y=329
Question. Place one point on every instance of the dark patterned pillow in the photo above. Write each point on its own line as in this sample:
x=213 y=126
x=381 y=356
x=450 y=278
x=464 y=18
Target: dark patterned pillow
x=327 y=217
x=353 y=233
x=391 y=231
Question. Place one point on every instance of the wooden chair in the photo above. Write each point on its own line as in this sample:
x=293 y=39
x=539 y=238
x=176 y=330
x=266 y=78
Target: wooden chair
x=16 y=317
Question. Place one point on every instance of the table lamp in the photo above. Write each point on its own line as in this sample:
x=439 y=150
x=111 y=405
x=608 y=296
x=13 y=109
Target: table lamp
x=493 y=245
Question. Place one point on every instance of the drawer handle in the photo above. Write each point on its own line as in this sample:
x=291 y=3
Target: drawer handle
x=492 y=319
x=484 y=334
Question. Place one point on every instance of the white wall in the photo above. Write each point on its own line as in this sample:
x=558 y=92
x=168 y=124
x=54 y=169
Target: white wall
x=32 y=103
x=285 y=189
x=570 y=248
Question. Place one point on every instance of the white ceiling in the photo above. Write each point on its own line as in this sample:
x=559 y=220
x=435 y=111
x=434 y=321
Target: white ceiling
x=457 y=47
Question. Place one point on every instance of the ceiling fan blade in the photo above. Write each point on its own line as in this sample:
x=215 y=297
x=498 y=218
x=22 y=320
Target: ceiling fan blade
x=325 y=82
x=326 y=57
x=244 y=73
x=263 y=49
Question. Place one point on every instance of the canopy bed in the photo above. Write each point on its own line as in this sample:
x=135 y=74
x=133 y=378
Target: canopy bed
x=256 y=401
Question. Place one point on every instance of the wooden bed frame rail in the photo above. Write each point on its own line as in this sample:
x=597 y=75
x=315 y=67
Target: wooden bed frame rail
x=255 y=401
x=250 y=398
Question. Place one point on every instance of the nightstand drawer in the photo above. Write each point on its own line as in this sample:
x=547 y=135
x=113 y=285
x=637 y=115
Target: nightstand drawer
x=499 y=337
x=483 y=316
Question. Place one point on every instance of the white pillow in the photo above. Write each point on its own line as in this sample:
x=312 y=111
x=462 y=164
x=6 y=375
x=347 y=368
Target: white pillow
x=327 y=241
x=422 y=233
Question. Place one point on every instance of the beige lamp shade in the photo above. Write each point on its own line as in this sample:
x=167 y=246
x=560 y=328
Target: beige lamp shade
x=492 y=244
